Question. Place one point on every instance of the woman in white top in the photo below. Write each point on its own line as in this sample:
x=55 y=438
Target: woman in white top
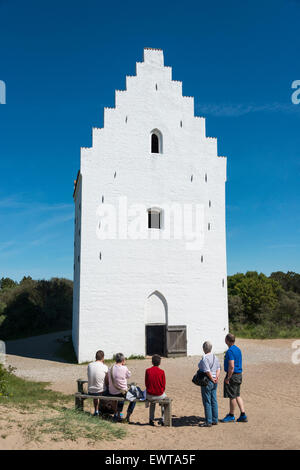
x=210 y=365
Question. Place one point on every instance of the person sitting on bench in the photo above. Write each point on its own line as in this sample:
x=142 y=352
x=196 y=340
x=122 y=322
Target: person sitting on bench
x=117 y=384
x=155 y=381
x=97 y=372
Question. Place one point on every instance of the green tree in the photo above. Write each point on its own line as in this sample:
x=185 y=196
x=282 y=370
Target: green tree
x=36 y=307
x=259 y=294
x=236 y=309
x=289 y=281
x=7 y=283
x=287 y=312
x=26 y=280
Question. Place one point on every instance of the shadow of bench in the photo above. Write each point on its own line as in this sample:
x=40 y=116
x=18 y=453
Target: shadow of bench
x=81 y=396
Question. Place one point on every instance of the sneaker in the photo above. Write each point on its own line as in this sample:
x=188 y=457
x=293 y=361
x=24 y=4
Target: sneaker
x=242 y=419
x=96 y=413
x=161 y=422
x=117 y=419
x=228 y=419
x=151 y=422
x=205 y=425
x=214 y=424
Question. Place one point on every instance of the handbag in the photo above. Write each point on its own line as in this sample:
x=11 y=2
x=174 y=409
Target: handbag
x=200 y=379
x=107 y=407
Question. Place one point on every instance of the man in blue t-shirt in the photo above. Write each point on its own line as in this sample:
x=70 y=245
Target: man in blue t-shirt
x=232 y=383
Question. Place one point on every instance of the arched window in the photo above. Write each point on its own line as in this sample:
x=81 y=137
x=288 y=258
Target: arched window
x=154 y=144
x=154 y=218
x=156 y=141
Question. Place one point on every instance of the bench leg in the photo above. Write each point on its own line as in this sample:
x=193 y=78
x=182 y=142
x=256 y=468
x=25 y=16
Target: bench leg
x=79 y=403
x=168 y=414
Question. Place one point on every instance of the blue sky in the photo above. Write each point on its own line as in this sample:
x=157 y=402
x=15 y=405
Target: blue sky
x=61 y=62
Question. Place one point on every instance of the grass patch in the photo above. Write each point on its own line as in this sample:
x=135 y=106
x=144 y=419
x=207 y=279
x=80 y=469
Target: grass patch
x=71 y=424
x=135 y=357
x=264 y=331
x=51 y=413
x=31 y=394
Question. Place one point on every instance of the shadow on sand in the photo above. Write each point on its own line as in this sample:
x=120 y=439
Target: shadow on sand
x=186 y=421
x=178 y=422
x=47 y=347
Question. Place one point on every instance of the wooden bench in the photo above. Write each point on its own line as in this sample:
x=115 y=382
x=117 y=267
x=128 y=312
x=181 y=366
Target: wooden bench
x=81 y=395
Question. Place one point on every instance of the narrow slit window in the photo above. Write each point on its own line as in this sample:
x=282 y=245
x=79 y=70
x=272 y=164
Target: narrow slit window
x=156 y=141
x=154 y=144
x=154 y=218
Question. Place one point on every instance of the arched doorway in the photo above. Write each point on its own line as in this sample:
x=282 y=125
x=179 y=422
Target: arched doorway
x=156 y=319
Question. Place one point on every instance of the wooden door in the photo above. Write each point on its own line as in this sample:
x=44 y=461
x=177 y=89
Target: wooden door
x=176 y=341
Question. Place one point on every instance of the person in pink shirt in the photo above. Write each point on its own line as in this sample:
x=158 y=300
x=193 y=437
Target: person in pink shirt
x=117 y=385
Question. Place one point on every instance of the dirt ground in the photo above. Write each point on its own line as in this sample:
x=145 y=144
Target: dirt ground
x=271 y=392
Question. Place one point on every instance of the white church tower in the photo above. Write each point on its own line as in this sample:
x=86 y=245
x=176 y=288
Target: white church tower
x=144 y=283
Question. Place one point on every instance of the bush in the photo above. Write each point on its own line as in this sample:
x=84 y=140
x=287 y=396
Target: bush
x=35 y=307
x=4 y=380
x=287 y=311
x=236 y=309
x=264 y=307
x=289 y=281
x=258 y=293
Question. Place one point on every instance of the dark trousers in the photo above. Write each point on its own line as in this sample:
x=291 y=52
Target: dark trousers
x=131 y=405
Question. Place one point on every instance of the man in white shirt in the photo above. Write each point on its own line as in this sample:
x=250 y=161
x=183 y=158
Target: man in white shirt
x=97 y=372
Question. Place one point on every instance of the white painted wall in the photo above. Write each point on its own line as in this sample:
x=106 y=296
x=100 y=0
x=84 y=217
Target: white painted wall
x=110 y=295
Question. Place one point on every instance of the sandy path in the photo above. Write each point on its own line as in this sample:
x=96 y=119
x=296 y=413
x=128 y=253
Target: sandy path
x=271 y=391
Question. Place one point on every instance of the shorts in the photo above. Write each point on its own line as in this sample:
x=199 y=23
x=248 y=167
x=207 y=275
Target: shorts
x=232 y=390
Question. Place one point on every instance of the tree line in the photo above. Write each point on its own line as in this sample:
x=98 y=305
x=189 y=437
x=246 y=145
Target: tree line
x=263 y=306
x=31 y=307
x=259 y=306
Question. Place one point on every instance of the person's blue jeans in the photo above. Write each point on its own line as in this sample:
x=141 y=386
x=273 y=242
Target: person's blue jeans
x=210 y=403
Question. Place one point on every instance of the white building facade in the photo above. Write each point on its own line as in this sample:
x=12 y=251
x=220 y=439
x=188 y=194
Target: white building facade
x=149 y=277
